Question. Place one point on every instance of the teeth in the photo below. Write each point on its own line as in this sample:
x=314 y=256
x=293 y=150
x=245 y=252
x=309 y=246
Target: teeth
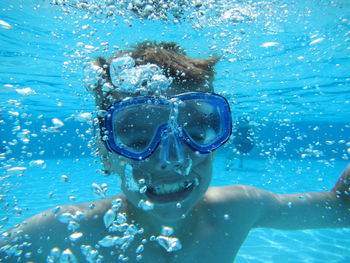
x=171 y=188
x=196 y=181
x=187 y=184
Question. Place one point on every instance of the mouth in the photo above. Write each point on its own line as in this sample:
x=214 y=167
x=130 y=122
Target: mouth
x=171 y=192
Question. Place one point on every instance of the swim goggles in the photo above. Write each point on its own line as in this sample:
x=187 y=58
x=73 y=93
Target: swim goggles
x=135 y=126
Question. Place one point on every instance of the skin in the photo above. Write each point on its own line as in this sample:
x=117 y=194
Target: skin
x=211 y=223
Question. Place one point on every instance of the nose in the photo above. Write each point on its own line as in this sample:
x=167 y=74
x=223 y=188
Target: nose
x=171 y=151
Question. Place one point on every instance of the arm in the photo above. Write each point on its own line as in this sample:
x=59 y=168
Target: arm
x=307 y=210
x=342 y=186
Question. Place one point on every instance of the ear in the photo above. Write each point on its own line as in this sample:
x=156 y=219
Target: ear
x=111 y=162
x=104 y=155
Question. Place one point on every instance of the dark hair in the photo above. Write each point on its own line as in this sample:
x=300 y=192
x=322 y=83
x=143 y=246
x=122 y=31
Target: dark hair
x=186 y=72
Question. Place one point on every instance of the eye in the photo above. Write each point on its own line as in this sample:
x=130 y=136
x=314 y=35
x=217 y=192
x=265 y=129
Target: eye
x=144 y=83
x=139 y=144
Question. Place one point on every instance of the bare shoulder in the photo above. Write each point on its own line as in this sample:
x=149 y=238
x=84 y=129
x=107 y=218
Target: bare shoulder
x=54 y=228
x=236 y=201
x=62 y=215
x=234 y=193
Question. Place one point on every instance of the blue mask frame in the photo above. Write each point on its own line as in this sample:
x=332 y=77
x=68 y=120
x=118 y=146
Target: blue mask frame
x=166 y=128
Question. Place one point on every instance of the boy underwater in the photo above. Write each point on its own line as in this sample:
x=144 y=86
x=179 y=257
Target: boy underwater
x=159 y=125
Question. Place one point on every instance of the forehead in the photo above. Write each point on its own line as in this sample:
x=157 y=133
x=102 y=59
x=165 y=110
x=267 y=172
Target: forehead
x=115 y=95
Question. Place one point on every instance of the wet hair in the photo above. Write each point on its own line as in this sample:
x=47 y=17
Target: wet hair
x=188 y=74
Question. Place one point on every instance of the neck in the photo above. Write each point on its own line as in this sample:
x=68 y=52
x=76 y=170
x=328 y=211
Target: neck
x=153 y=222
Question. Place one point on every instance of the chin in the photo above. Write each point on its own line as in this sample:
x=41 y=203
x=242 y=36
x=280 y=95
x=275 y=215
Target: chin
x=170 y=213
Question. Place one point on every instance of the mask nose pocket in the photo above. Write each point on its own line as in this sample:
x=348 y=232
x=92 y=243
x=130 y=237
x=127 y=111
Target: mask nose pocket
x=171 y=150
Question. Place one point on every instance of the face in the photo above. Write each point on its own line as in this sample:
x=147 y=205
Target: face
x=166 y=189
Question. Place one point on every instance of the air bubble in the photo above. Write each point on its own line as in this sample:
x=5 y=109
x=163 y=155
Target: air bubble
x=125 y=242
x=145 y=205
x=64 y=178
x=37 y=163
x=75 y=236
x=55 y=253
x=318 y=40
x=57 y=123
x=99 y=191
x=329 y=142
x=73 y=226
x=18 y=171
x=170 y=244
x=65 y=218
x=79 y=215
x=68 y=257
x=5 y=25
x=26 y=91
x=139 y=249
x=90 y=254
x=116 y=204
x=56 y=209
x=123 y=258
x=270 y=44
x=120 y=228
x=167 y=231
x=143 y=189
x=142 y=181
x=121 y=218
x=109 y=217
x=131 y=230
x=115 y=208
x=108 y=241
x=84 y=117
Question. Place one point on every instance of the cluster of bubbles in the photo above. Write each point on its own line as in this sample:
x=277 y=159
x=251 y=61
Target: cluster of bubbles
x=122 y=234
x=167 y=11
x=24 y=148
x=99 y=190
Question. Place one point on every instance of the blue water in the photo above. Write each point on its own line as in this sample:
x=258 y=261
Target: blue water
x=284 y=63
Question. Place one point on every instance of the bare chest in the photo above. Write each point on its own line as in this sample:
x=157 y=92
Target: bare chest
x=207 y=244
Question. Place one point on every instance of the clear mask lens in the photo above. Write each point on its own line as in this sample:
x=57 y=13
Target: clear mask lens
x=200 y=120
x=137 y=125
